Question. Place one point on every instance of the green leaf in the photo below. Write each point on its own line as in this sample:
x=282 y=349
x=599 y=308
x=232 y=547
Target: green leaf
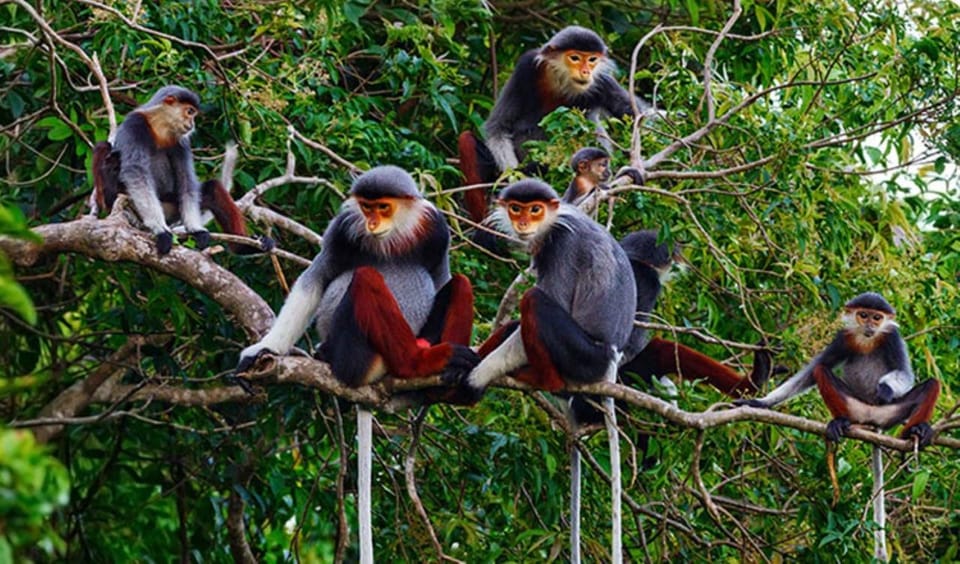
x=920 y=480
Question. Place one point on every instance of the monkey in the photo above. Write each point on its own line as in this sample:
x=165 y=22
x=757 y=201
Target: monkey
x=572 y=69
x=574 y=322
x=383 y=298
x=591 y=169
x=647 y=357
x=877 y=387
x=151 y=162
x=591 y=174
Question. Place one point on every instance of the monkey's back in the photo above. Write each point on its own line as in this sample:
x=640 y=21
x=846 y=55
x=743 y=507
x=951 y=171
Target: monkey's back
x=584 y=268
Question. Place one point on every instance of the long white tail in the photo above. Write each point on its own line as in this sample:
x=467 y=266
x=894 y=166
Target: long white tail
x=879 y=511
x=575 y=505
x=616 y=549
x=364 y=464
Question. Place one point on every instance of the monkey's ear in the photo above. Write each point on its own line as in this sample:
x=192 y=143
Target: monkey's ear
x=553 y=204
x=170 y=100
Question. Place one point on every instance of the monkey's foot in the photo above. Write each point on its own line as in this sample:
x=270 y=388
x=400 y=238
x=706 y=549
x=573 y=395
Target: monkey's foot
x=457 y=374
x=201 y=238
x=164 y=242
x=837 y=429
x=923 y=432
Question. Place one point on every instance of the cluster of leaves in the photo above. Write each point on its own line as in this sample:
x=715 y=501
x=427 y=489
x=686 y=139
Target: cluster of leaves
x=775 y=245
x=33 y=486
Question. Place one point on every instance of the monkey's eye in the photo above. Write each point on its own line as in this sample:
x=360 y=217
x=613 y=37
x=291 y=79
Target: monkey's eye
x=863 y=315
x=593 y=59
x=384 y=208
x=191 y=111
x=366 y=208
x=536 y=209
x=514 y=208
x=877 y=317
x=575 y=58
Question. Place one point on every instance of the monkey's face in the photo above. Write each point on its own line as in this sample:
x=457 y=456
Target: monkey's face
x=379 y=214
x=528 y=218
x=180 y=116
x=581 y=66
x=867 y=326
x=599 y=169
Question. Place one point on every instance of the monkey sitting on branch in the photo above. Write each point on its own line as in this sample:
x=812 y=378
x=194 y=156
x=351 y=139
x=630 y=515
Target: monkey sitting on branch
x=876 y=389
x=150 y=161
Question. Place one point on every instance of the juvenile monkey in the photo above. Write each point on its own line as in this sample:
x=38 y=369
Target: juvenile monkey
x=151 y=162
x=591 y=170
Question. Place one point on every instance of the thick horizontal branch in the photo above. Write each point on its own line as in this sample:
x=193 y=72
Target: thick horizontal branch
x=114 y=240
x=315 y=374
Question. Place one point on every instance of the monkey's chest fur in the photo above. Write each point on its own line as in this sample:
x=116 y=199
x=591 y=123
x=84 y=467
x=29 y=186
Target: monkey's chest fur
x=862 y=373
x=414 y=284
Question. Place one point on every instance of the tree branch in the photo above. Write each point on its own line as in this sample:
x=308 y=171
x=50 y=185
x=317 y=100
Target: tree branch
x=114 y=240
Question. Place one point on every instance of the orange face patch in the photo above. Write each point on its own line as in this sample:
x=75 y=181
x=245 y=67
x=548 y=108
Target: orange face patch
x=581 y=64
x=868 y=327
x=378 y=213
x=526 y=217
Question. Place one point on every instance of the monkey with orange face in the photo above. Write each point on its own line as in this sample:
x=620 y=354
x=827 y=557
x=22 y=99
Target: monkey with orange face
x=572 y=69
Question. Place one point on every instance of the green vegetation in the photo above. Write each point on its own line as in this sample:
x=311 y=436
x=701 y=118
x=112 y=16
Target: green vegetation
x=829 y=169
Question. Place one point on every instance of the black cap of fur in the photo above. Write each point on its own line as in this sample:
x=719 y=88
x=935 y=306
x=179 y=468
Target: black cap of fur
x=181 y=94
x=529 y=190
x=385 y=181
x=871 y=300
x=641 y=246
x=576 y=38
x=587 y=154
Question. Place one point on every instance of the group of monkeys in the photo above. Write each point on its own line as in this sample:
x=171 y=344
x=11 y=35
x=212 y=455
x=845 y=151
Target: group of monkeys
x=384 y=301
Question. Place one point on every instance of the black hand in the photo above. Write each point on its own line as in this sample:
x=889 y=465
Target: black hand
x=923 y=432
x=749 y=402
x=267 y=244
x=247 y=362
x=634 y=174
x=884 y=394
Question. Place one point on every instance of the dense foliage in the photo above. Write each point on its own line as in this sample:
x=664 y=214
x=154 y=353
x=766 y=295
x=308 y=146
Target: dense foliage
x=826 y=167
